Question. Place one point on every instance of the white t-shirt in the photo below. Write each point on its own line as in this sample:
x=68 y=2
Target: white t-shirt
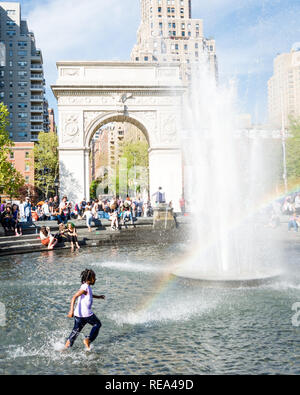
x=45 y=208
x=84 y=304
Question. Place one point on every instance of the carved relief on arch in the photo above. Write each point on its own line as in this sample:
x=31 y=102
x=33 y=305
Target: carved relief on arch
x=89 y=117
x=70 y=128
x=149 y=120
x=168 y=128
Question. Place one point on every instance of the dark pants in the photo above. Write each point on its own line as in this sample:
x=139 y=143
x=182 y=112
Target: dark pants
x=72 y=239
x=80 y=324
x=61 y=219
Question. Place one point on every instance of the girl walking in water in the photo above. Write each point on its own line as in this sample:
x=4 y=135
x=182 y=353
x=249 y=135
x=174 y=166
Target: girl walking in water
x=83 y=313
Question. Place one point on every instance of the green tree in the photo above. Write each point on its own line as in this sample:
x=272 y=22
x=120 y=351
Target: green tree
x=137 y=158
x=10 y=179
x=46 y=163
x=136 y=154
x=293 y=153
x=93 y=189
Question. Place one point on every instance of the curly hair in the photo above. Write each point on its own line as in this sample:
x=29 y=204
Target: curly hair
x=87 y=275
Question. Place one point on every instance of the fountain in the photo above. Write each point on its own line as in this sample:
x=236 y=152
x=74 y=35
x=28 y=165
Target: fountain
x=228 y=183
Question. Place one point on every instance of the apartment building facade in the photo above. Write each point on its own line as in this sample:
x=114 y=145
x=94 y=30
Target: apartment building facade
x=168 y=33
x=22 y=83
x=21 y=157
x=284 y=89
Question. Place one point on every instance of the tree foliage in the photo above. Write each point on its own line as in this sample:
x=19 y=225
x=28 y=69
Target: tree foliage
x=46 y=163
x=293 y=152
x=135 y=153
x=10 y=179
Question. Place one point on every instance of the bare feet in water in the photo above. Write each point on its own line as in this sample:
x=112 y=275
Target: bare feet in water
x=67 y=345
x=86 y=342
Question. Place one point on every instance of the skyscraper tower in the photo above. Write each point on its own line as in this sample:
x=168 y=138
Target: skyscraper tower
x=22 y=83
x=168 y=33
x=284 y=88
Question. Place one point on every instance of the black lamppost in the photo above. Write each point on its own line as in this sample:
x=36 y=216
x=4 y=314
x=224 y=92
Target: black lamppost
x=56 y=184
x=43 y=172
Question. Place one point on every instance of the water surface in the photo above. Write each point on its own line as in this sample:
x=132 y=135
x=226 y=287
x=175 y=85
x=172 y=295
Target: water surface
x=152 y=323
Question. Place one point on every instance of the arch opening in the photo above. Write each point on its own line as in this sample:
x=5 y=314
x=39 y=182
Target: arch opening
x=119 y=159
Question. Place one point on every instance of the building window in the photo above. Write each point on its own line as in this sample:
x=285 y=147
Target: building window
x=22 y=115
x=27 y=179
x=146 y=58
x=26 y=155
x=12 y=155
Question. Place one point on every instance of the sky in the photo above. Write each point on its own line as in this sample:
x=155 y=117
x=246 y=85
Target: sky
x=248 y=33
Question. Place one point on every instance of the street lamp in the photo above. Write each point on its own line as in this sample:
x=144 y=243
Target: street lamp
x=43 y=172
x=56 y=184
x=283 y=137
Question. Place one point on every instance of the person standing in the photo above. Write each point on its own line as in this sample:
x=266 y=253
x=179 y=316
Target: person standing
x=182 y=205
x=89 y=216
x=27 y=210
x=160 y=196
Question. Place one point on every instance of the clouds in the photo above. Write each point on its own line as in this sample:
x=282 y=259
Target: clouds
x=248 y=34
x=82 y=30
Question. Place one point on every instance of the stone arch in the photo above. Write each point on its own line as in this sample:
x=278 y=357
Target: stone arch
x=92 y=94
x=103 y=119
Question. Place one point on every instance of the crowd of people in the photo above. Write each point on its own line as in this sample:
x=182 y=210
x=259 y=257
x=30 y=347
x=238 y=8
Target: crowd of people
x=289 y=206
x=119 y=211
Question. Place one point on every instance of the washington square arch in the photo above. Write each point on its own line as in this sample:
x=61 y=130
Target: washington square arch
x=93 y=94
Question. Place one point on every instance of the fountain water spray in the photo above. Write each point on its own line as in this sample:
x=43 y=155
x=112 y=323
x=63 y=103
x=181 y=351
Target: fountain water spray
x=226 y=181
